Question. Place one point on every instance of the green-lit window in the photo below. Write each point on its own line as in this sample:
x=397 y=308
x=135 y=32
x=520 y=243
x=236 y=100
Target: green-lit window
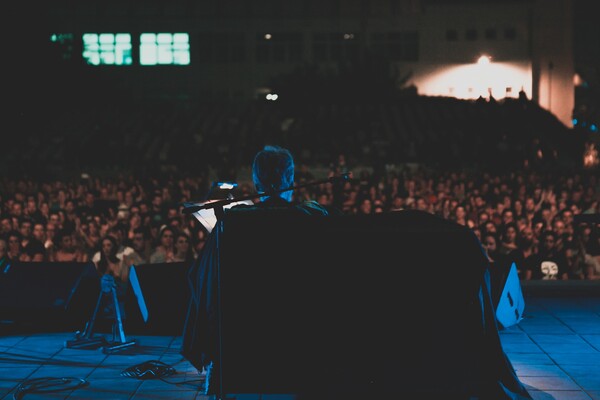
x=63 y=45
x=107 y=48
x=164 y=49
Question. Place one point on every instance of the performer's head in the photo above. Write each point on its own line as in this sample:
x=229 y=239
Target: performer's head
x=273 y=170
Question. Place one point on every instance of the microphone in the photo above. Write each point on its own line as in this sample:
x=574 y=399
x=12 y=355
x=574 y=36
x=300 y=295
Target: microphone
x=341 y=178
x=190 y=208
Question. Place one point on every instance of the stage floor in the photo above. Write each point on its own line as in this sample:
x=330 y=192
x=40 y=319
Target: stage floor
x=555 y=350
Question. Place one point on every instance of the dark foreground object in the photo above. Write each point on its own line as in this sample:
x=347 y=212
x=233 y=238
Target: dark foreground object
x=318 y=307
x=53 y=296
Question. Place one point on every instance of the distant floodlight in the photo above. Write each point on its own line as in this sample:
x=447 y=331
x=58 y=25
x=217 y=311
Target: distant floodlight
x=484 y=60
x=271 y=96
x=268 y=36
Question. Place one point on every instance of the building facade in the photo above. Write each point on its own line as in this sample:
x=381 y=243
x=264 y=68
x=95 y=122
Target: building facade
x=238 y=47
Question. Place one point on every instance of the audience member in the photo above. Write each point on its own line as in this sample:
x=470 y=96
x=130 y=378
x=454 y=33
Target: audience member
x=114 y=272
x=184 y=251
x=550 y=263
x=34 y=247
x=32 y=211
x=89 y=235
x=122 y=250
x=165 y=249
x=508 y=238
x=526 y=247
x=142 y=246
x=5 y=225
x=51 y=230
x=25 y=228
x=4 y=258
x=110 y=262
x=15 y=248
x=66 y=250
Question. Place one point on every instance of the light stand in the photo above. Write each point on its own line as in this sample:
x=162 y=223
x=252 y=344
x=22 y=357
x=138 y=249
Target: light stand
x=122 y=343
x=86 y=340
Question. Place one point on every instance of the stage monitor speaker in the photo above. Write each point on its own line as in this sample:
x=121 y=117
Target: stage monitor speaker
x=49 y=294
x=158 y=300
x=360 y=301
x=511 y=303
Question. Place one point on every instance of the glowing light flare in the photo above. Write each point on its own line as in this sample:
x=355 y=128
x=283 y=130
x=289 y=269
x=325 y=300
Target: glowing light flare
x=470 y=81
x=484 y=60
x=590 y=156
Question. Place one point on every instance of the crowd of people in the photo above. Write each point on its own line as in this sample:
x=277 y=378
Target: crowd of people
x=531 y=217
x=190 y=136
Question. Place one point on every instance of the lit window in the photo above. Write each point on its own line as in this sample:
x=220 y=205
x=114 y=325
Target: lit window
x=164 y=49
x=107 y=48
x=63 y=44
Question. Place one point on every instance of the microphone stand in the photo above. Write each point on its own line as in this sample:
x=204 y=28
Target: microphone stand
x=218 y=205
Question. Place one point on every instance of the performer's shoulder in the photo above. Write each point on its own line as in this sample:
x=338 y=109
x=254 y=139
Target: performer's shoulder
x=309 y=207
x=312 y=207
x=425 y=218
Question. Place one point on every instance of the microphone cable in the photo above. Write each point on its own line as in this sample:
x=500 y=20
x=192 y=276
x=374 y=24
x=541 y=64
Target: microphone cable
x=153 y=369
x=48 y=385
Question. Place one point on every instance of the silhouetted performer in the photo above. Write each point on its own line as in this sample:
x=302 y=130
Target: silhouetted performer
x=272 y=173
